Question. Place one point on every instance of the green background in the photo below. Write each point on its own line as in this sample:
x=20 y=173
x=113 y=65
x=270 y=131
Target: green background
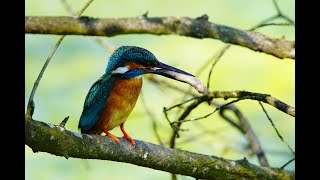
x=80 y=61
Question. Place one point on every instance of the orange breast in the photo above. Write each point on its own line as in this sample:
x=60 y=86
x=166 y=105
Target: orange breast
x=119 y=105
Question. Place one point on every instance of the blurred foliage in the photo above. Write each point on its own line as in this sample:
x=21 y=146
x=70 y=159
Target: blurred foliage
x=80 y=61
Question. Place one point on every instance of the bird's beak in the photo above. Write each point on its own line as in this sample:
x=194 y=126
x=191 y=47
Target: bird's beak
x=179 y=75
x=166 y=70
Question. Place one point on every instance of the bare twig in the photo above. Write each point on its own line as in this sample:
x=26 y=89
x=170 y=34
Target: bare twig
x=182 y=103
x=68 y=7
x=273 y=24
x=270 y=120
x=104 y=43
x=215 y=58
x=278 y=15
x=247 y=130
x=221 y=53
x=183 y=116
x=100 y=41
x=282 y=167
x=209 y=114
x=152 y=117
x=36 y=84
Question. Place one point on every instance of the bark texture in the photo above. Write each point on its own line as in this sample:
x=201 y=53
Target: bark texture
x=185 y=26
x=55 y=139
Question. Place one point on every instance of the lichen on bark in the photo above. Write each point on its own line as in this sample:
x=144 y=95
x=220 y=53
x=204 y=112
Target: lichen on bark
x=54 y=139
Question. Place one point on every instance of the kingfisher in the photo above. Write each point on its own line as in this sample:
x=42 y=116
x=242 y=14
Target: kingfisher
x=113 y=96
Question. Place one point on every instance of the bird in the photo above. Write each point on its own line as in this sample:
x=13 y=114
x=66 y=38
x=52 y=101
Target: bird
x=113 y=96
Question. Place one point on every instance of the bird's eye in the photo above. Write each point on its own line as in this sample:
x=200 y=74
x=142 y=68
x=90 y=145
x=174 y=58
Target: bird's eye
x=151 y=64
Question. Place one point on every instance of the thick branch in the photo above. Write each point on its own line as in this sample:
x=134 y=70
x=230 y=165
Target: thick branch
x=185 y=26
x=56 y=140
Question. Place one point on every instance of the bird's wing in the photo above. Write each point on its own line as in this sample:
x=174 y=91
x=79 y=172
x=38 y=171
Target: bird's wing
x=95 y=102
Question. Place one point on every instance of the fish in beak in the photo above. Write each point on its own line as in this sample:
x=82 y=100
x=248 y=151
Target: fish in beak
x=179 y=75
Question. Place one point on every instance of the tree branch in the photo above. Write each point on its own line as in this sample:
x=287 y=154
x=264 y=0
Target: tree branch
x=198 y=28
x=266 y=98
x=247 y=130
x=56 y=140
x=240 y=95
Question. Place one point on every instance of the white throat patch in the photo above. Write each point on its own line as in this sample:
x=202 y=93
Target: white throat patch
x=120 y=70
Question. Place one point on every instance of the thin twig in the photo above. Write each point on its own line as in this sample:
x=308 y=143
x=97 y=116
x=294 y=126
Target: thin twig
x=100 y=41
x=278 y=15
x=281 y=14
x=244 y=127
x=273 y=24
x=282 y=167
x=270 y=120
x=84 y=7
x=174 y=128
x=221 y=53
x=183 y=116
x=204 y=132
x=68 y=7
x=182 y=103
x=36 y=84
x=264 y=21
x=215 y=58
x=209 y=114
x=152 y=117
x=103 y=43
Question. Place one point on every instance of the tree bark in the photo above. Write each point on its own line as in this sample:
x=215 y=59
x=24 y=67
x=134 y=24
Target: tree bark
x=55 y=139
x=198 y=28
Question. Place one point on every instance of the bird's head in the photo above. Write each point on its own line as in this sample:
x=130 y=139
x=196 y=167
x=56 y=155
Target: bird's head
x=131 y=61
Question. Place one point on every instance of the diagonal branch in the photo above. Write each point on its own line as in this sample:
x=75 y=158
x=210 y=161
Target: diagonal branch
x=244 y=126
x=266 y=98
x=44 y=137
x=198 y=28
x=240 y=95
x=54 y=49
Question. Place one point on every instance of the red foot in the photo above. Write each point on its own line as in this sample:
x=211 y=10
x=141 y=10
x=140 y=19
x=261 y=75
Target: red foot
x=115 y=138
x=125 y=135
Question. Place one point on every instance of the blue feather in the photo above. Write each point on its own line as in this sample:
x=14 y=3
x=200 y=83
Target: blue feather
x=132 y=73
x=95 y=102
x=129 y=53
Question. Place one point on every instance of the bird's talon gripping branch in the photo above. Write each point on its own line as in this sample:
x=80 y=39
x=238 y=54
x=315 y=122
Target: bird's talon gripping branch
x=115 y=138
x=113 y=96
x=125 y=135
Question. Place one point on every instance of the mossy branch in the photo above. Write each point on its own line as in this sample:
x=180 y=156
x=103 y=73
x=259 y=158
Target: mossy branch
x=54 y=139
x=198 y=28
